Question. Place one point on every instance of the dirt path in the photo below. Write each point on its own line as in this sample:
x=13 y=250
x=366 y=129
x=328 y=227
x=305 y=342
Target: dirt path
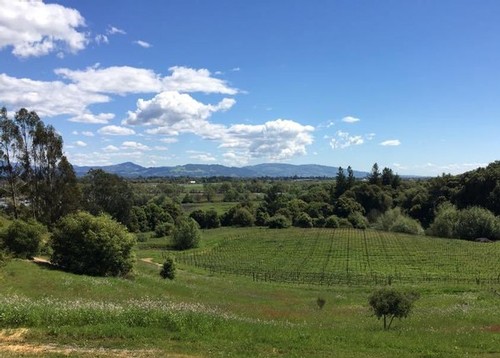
x=13 y=342
x=149 y=260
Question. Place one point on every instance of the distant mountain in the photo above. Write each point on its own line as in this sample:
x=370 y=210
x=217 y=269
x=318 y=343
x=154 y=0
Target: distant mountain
x=275 y=170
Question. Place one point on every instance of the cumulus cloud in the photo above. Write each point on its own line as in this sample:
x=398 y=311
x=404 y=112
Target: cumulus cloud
x=173 y=113
x=101 y=39
x=88 y=134
x=47 y=98
x=119 y=80
x=33 y=28
x=115 y=130
x=344 y=140
x=143 y=43
x=111 y=148
x=101 y=118
x=80 y=143
x=134 y=145
x=350 y=119
x=201 y=156
x=169 y=140
x=184 y=79
x=391 y=142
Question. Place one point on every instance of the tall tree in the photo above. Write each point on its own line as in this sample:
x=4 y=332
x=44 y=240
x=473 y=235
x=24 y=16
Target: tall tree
x=375 y=177
x=10 y=139
x=351 y=180
x=340 y=183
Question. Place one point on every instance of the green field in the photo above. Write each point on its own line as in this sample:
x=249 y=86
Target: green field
x=348 y=256
x=214 y=309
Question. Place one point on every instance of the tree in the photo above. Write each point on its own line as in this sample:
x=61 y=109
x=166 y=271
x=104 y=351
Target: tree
x=351 y=180
x=107 y=193
x=34 y=165
x=340 y=183
x=186 y=234
x=476 y=222
x=303 y=220
x=278 y=222
x=92 y=245
x=168 y=269
x=390 y=303
x=243 y=217
x=23 y=239
x=212 y=220
x=374 y=177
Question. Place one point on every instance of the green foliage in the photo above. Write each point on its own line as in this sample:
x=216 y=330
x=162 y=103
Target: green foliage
x=243 y=217
x=212 y=220
x=394 y=220
x=278 y=222
x=347 y=205
x=92 y=245
x=23 y=239
x=304 y=221
x=390 y=303
x=332 y=222
x=477 y=222
x=186 y=234
x=358 y=221
x=107 y=193
x=168 y=269
x=164 y=229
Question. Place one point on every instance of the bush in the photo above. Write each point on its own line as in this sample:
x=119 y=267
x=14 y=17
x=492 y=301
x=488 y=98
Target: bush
x=389 y=303
x=92 y=245
x=394 y=220
x=445 y=221
x=476 y=222
x=304 y=221
x=332 y=222
x=164 y=229
x=23 y=239
x=186 y=234
x=278 y=222
x=168 y=269
x=344 y=223
x=358 y=221
x=242 y=217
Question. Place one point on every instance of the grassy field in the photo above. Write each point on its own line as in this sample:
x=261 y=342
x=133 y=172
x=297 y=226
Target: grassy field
x=207 y=313
x=347 y=256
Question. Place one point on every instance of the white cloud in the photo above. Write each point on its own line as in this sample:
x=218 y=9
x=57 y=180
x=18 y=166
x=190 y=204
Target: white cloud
x=134 y=145
x=344 y=140
x=101 y=118
x=391 y=142
x=350 y=119
x=80 y=143
x=274 y=140
x=101 y=39
x=143 y=43
x=169 y=140
x=111 y=148
x=33 y=28
x=115 y=130
x=184 y=79
x=203 y=157
x=116 y=79
x=235 y=69
x=47 y=98
x=173 y=113
x=111 y=30
x=88 y=134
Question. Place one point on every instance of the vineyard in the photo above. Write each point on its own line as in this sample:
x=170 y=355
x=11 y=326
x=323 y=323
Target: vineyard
x=348 y=256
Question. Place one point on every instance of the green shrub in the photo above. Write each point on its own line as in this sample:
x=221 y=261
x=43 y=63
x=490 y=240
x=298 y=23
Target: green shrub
x=278 y=222
x=164 y=229
x=23 y=239
x=303 y=220
x=476 y=222
x=186 y=234
x=92 y=245
x=332 y=222
x=444 y=222
x=242 y=217
x=344 y=223
x=168 y=269
x=394 y=220
x=358 y=221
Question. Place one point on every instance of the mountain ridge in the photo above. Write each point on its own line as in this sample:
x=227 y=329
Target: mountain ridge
x=132 y=170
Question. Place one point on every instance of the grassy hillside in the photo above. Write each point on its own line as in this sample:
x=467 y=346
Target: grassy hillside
x=45 y=312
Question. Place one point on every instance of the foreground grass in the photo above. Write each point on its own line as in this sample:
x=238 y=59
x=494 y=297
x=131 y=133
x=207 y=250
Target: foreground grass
x=53 y=314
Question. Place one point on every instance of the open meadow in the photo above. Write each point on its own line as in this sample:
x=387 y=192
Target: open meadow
x=220 y=304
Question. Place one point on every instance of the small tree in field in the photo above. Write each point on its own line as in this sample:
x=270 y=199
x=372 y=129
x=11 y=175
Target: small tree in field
x=390 y=303
x=23 y=239
x=168 y=268
x=186 y=234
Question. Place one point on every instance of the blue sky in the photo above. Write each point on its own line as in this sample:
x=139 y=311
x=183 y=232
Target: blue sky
x=412 y=85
